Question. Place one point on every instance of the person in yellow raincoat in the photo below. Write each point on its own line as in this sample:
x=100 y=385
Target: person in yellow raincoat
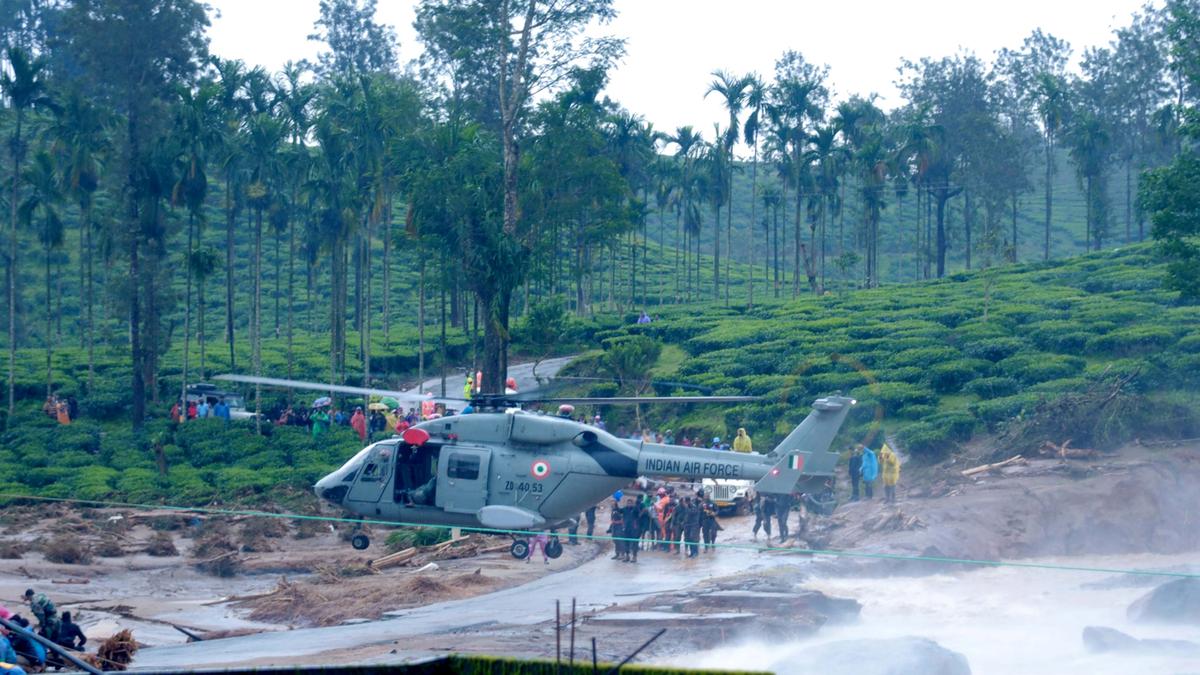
x=741 y=442
x=889 y=469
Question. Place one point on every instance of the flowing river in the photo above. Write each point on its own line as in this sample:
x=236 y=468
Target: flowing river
x=1004 y=620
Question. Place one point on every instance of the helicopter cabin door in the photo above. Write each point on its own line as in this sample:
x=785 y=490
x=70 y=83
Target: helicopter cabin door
x=374 y=474
x=463 y=478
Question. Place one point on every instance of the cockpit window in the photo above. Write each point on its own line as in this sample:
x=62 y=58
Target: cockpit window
x=462 y=466
x=350 y=476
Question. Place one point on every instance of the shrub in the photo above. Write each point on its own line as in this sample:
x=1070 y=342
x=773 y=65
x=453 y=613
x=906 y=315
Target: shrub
x=926 y=440
x=911 y=374
x=1034 y=368
x=1066 y=384
x=923 y=357
x=993 y=349
x=958 y=425
x=68 y=550
x=947 y=378
x=992 y=387
x=998 y=410
x=1132 y=340
x=408 y=537
x=894 y=396
x=1189 y=343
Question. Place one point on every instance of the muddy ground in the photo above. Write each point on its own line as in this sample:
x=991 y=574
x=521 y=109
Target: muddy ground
x=309 y=582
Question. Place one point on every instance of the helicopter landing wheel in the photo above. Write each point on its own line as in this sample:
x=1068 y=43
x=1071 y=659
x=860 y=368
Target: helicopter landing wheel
x=519 y=549
x=360 y=542
x=554 y=548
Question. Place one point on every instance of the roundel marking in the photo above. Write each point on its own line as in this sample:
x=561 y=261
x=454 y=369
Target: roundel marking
x=540 y=469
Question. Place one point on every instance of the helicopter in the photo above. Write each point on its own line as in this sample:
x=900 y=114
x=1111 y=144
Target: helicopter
x=507 y=469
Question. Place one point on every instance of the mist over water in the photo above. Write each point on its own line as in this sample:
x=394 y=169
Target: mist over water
x=1004 y=620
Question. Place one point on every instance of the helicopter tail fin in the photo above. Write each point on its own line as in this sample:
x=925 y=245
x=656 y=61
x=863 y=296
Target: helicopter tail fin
x=816 y=433
x=782 y=477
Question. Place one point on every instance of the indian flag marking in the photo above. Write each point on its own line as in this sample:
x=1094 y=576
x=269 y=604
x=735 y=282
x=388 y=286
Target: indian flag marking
x=796 y=462
x=540 y=469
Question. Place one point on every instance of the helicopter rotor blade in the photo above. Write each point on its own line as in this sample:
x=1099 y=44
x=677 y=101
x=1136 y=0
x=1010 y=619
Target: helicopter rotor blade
x=636 y=400
x=334 y=388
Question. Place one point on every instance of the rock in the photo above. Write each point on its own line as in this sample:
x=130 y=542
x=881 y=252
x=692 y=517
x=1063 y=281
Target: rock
x=1176 y=601
x=896 y=656
x=791 y=604
x=1103 y=639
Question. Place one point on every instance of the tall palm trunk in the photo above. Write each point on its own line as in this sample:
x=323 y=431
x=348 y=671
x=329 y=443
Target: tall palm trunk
x=365 y=309
x=12 y=266
x=753 y=223
x=187 y=312
x=89 y=296
x=256 y=320
x=421 y=319
x=716 y=252
x=729 y=227
x=49 y=325
x=230 y=217
x=1049 y=191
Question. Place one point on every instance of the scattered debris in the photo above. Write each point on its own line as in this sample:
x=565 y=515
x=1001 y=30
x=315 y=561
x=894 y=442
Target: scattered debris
x=1064 y=452
x=115 y=653
x=161 y=545
x=71 y=581
x=393 y=559
x=217 y=555
x=895 y=521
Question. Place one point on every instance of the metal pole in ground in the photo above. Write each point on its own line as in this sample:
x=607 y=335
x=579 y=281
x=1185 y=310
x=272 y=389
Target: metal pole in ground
x=557 y=636
x=571 y=657
x=594 y=666
x=637 y=651
x=51 y=646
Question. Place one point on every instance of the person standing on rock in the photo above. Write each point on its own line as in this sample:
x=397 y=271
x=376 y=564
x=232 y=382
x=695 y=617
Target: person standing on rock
x=764 y=511
x=855 y=468
x=870 y=471
x=889 y=469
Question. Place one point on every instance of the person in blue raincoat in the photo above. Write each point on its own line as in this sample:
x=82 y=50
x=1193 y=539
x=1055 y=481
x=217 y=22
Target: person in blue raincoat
x=870 y=471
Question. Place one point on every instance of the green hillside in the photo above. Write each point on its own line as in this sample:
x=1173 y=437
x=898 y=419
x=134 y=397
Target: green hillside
x=939 y=363
x=1032 y=353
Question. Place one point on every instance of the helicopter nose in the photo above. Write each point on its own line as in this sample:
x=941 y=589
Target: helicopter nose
x=327 y=490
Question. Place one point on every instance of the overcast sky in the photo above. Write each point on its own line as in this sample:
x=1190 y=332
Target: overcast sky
x=674 y=45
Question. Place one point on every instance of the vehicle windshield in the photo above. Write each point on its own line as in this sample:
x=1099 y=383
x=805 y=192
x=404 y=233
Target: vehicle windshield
x=235 y=402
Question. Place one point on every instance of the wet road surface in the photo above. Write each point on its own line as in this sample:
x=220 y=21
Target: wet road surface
x=595 y=585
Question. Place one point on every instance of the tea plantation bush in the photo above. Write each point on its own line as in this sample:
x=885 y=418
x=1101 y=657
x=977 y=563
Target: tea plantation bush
x=928 y=353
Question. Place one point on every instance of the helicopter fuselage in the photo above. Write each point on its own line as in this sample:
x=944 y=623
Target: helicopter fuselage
x=521 y=471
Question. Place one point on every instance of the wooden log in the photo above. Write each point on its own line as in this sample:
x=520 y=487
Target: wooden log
x=997 y=465
x=398 y=558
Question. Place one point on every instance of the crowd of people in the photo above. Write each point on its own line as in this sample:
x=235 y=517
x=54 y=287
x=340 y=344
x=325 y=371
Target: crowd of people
x=20 y=643
x=667 y=521
x=866 y=467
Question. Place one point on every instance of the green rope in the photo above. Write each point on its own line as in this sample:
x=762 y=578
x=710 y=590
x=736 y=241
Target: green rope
x=746 y=547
